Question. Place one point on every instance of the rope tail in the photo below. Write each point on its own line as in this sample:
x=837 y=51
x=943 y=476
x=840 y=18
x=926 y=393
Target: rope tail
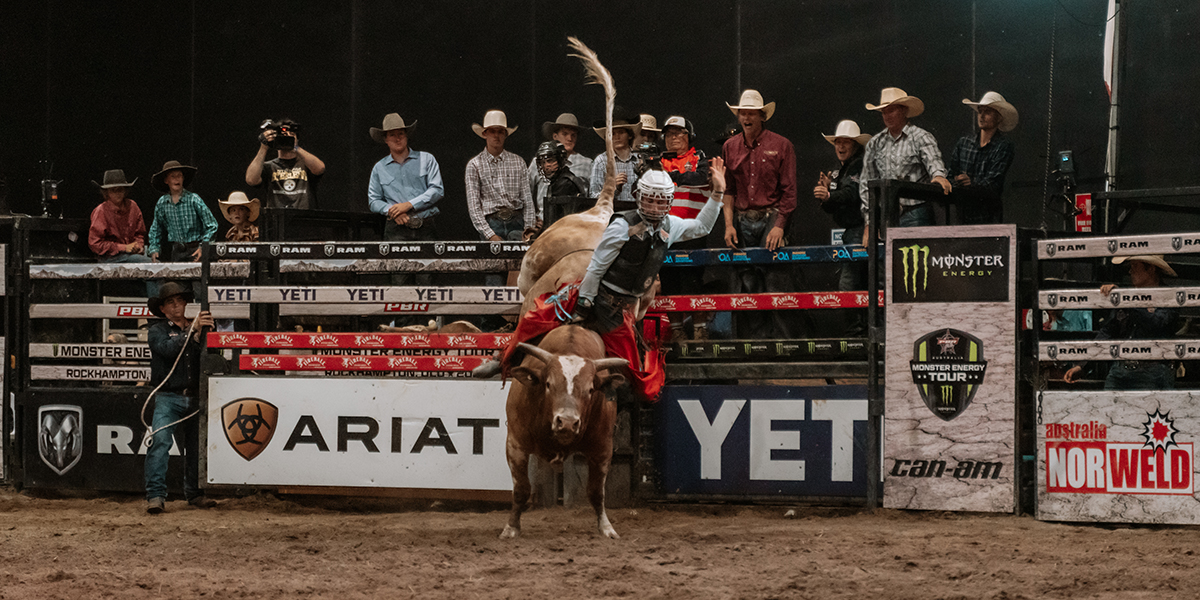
x=597 y=74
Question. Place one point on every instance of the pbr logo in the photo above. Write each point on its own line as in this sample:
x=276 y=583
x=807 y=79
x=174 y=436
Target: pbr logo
x=60 y=436
x=384 y=249
x=329 y=249
x=249 y=425
x=948 y=367
x=1050 y=249
x=1052 y=300
x=1112 y=246
x=220 y=249
x=439 y=248
x=276 y=249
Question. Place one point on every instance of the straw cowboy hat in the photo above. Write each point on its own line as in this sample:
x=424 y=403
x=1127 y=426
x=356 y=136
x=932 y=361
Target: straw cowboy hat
x=158 y=180
x=1008 y=112
x=621 y=119
x=493 y=118
x=1150 y=259
x=649 y=123
x=390 y=122
x=239 y=199
x=114 y=178
x=849 y=129
x=563 y=120
x=890 y=96
x=169 y=289
x=752 y=100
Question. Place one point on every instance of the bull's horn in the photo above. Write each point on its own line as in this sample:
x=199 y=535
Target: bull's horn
x=536 y=352
x=609 y=363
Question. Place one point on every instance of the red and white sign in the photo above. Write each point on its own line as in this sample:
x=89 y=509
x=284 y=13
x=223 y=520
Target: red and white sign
x=358 y=340
x=1083 y=220
x=762 y=301
x=134 y=310
x=259 y=362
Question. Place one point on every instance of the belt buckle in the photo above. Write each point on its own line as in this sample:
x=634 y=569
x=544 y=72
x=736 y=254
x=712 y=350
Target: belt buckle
x=414 y=223
x=506 y=213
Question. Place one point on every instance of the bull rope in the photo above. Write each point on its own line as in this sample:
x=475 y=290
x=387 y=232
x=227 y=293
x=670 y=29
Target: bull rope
x=150 y=430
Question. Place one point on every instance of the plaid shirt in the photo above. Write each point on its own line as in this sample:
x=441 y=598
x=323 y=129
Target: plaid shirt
x=496 y=182
x=600 y=173
x=189 y=220
x=912 y=157
x=985 y=166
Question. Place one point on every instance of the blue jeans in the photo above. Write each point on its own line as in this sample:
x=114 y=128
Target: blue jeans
x=170 y=407
x=921 y=215
x=759 y=279
x=1140 y=376
x=125 y=257
x=511 y=231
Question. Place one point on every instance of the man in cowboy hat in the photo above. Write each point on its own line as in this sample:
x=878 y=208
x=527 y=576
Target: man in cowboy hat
x=980 y=161
x=498 y=195
x=241 y=212
x=650 y=132
x=626 y=128
x=1145 y=271
x=837 y=191
x=290 y=179
x=118 y=232
x=759 y=202
x=180 y=217
x=178 y=396
x=405 y=187
x=565 y=131
x=903 y=151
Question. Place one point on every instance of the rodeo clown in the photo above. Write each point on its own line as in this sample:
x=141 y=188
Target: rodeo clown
x=623 y=268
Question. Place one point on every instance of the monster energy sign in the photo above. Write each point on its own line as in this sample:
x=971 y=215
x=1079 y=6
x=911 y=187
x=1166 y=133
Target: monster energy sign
x=973 y=269
x=948 y=367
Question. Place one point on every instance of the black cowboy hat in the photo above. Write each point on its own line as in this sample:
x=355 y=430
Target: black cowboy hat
x=621 y=118
x=170 y=288
x=159 y=178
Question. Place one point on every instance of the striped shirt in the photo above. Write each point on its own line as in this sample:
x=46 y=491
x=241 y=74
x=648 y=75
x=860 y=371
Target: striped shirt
x=914 y=156
x=692 y=189
x=495 y=183
x=986 y=166
x=599 y=169
x=188 y=220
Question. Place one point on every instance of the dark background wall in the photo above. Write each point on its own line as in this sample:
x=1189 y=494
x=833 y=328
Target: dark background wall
x=100 y=85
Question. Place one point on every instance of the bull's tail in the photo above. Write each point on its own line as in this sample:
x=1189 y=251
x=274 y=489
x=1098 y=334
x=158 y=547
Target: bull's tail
x=597 y=74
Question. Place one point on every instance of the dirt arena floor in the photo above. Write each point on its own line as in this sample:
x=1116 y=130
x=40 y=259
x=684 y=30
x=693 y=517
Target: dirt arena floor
x=267 y=547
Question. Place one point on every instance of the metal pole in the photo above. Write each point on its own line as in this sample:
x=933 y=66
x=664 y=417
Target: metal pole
x=873 y=341
x=1114 y=103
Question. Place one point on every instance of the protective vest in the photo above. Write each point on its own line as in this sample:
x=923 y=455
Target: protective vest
x=640 y=258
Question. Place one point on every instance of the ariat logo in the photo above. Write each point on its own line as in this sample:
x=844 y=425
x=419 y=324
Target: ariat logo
x=915 y=259
x=249 y=425
x=368 y=341
x=234 y=339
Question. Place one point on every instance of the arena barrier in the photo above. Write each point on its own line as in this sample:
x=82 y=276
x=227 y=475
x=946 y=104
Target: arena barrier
x=1116 y=456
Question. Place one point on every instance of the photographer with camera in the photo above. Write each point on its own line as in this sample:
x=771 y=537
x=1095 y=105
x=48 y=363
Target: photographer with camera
x=290 y=179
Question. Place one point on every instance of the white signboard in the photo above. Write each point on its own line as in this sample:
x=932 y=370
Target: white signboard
x=949 y=420
x=387 y=433
x=1121 y=457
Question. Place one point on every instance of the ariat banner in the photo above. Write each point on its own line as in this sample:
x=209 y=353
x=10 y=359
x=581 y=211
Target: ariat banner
x=972 y=269
x=1120 y=457
x=950 y=369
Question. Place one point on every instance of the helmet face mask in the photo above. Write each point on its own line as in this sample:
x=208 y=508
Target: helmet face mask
x=549 y=153
x=655 y=192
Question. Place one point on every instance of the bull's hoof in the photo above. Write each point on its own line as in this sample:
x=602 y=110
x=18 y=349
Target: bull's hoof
x=488 y=369
x=512 y=532
x=610 y=533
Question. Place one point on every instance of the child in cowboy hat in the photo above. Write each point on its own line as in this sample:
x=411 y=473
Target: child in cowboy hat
x=180 y=217
x=241 y=213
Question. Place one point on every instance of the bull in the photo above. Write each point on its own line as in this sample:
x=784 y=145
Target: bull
x=560 y=404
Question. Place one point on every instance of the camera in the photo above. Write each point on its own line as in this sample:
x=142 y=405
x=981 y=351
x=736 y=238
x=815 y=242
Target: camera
x=285 y=133
x=649 y=156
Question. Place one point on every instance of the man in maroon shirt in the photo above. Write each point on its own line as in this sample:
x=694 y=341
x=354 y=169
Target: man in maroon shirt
x=118 y=233
x=759 y=199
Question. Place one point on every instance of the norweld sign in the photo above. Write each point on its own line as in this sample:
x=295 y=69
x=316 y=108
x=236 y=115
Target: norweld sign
x=762 y=440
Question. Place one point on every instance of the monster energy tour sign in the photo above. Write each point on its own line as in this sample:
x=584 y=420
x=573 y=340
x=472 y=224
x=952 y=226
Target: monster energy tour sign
x=950 y=270
x=948 y=368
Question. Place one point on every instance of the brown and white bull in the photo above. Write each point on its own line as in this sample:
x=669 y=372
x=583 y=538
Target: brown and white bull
x=559 y=404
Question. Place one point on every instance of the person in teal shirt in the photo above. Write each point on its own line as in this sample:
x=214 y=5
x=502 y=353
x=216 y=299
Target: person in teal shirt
x=181 y=219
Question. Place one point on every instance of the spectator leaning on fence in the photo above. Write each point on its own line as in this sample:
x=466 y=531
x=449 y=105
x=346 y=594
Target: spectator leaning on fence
x=1146 y=270
x=117 y=232
x=181 y=218
x=837 y=191
x=241 y=212
x=405 y=188
x=979 y=162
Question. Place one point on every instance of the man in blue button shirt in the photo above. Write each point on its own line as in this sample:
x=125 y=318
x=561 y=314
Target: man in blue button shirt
x=405 y=187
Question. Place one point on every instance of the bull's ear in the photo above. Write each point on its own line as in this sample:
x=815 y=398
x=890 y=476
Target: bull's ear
x=608 y=381
x=528 y=377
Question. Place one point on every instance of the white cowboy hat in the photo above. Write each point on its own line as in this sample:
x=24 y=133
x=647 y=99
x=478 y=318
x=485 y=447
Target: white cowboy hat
x=390 y=122
x=649 y=123
x=752 y=100
x=1150 y=259
x=493 y=118
x=849 y=129
x=239 y=199
x=563 y=120
x=1008 y=112
x=621 y=119
x=890 y=96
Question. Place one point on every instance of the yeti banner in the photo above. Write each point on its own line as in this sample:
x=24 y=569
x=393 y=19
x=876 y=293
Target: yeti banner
x=950 y=368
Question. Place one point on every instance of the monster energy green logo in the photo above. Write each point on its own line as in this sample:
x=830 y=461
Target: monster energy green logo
x=812 y=347
x=909 y=255
x=844 y=346
x=947 y=394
